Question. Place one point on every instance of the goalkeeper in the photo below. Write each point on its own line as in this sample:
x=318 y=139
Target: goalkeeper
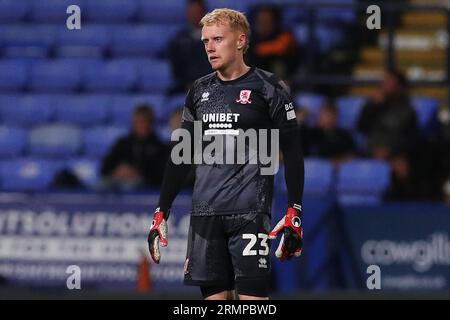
x=229 y=234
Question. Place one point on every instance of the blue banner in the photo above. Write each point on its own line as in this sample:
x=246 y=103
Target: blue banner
x=408 y=242
x=106 y=236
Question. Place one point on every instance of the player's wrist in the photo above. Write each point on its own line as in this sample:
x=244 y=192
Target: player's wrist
x=165 y=212
x=295 y=207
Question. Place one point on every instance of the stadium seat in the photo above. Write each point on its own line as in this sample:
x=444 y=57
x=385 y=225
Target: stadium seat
x=87 y=170
x=13 y=75
x=25 y=110
x=349 y=109
x=335 y=15
x=84 y=110
x=57 y=140
x=12 y=141
x=53 y=11
x=311 y=103
x=13 y=11
x=175 y=102
x=328 y=37
x=239 y=5
x=109 y=76
x=55 y=76
x=142 y=40
x=123 y=106
x=90 y=41
x=426 y=108
x=155 y=76
x=168 y=11
x=98 y=140
x=362 y=181
x=27 y=174
x=25 y=41
x=325 y=37
x=319 y=177
x=111 y=10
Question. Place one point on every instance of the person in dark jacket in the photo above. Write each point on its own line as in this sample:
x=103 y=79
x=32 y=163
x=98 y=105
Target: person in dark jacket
x=186 y=51
x=388 y=119
x=136 y=160
x=327 y=140
x=389 y=122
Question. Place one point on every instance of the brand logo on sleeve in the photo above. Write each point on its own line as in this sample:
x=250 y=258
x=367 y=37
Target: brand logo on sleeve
x=244 y=97
x=205 y=96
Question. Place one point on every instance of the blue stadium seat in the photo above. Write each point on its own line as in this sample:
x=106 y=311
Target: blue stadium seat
x=111 y=10
x=90 y=41
x=123 y=106
x=349 y=108
x=27 y=174
x=12 y=11
x=142 y=40
x=98 y=140
x=175 y=102
x=311 y=102
x=426 y=108
x=362 y=181
x=291 y=16
x=24 y=41
x=335 y=15
x=12 y=141
x=84 y=110
x=87 y=170
x=326 y=37
x=13 y=75
x=168 y=11
x=319 y=177
x=25 y=110
x=155 y=76
x=55 y=140
x=109 y=77
x=53 y=11
x=239 y=5
x=55 y=76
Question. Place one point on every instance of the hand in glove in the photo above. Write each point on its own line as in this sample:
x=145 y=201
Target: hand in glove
x=157 y=235
x=292 y=234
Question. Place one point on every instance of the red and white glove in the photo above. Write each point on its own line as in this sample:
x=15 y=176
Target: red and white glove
x=292 y=234
x=157 y=235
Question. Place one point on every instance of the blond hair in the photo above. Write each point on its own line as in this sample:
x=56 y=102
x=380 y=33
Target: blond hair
x=236 y=20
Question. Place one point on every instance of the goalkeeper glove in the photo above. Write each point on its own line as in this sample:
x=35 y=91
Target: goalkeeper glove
x=157 y=235
x=292 y=237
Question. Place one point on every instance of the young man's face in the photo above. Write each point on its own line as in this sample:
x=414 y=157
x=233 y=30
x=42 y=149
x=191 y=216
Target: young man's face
x=221 y=45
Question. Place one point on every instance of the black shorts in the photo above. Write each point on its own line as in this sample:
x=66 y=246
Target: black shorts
x=222 y=250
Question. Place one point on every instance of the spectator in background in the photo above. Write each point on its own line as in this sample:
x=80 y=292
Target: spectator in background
x=273 y=48
x=136 y=160
x=389 y=122
x=187 y=52
x=388 y=119
x=326 y=140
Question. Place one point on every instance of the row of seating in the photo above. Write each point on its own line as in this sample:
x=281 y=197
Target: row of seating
x=67 y=75
x=167 y=11
x=350 y=107
x=356 y=180
x=82 y=110
x=58 y=141
x=90 y=41
x=96 y=109
x=96 y=41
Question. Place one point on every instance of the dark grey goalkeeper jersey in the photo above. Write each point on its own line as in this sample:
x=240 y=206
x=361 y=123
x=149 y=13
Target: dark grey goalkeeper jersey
x=257 y=100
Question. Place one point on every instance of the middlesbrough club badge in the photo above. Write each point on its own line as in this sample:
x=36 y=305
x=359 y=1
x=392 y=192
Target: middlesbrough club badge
x=244 y=97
